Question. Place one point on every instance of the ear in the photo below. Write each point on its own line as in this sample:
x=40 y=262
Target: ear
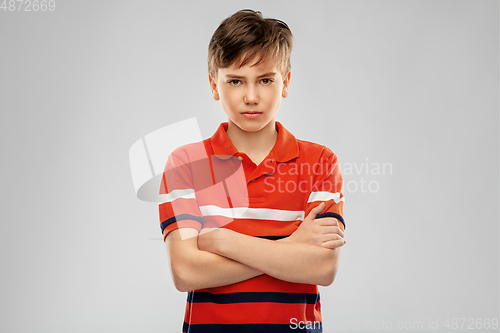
x=213 y=87
x=286 y=84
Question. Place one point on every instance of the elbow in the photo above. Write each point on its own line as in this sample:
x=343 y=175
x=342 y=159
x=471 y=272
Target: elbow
x=180 y=285
x=182 y=288
x=328 y=276
x=181 y=278
x=329 y=268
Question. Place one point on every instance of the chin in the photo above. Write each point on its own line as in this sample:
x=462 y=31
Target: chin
x=247 y=128
x=252 y=126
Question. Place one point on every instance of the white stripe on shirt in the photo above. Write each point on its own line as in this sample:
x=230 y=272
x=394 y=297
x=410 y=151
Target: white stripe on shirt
x=325 y=196
x=176 y=194
x=253 y=213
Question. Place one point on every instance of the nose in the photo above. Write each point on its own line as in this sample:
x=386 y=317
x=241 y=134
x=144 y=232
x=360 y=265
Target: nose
x=251 y=95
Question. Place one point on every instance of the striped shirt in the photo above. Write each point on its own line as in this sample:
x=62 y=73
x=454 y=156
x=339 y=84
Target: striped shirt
x=210 y=184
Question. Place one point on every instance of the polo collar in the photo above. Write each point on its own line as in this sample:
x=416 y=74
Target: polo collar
x=285 y=148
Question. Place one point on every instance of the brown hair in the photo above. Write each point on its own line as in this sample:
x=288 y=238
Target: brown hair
x=246 y=31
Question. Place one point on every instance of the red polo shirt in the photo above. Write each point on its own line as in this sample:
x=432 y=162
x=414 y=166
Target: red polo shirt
x=210 y=184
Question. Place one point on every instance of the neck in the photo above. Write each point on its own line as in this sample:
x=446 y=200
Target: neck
x=255 y=144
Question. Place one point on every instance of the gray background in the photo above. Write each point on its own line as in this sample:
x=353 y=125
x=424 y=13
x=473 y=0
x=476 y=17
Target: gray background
x=410 y=83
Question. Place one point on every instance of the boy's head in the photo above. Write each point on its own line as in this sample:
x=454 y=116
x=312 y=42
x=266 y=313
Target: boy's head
x=245 y=35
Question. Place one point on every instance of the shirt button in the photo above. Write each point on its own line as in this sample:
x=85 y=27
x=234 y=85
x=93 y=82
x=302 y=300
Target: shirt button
x=240 y=158
x=252 y=180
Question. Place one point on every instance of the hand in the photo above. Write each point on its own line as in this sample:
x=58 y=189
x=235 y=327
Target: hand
x=323 y=232
x=210 y=239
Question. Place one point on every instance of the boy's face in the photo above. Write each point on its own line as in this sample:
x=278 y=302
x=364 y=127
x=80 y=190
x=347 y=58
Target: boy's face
x=250 y=95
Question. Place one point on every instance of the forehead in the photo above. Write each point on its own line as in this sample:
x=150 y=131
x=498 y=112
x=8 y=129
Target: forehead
x=251 y=66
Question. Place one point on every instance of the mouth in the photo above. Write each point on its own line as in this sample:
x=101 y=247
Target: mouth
x=251 y=114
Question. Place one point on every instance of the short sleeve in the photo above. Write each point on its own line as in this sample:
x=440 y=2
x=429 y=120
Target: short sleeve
x=327 y=188
x=177 y=203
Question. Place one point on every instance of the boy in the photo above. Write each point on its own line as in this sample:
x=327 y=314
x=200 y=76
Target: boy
x=252 y=217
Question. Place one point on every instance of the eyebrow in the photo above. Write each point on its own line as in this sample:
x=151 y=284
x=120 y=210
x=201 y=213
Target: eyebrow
x=234 y=76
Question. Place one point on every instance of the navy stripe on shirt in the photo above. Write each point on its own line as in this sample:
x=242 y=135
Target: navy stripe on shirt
x=272 y=237
x=252 y=297
x=179 y=217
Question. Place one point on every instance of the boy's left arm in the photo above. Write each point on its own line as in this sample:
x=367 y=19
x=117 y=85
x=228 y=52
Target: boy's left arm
x=312 y=253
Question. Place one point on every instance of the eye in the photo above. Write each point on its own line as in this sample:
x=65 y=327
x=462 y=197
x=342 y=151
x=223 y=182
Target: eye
x=234 y=82
x=266 y=81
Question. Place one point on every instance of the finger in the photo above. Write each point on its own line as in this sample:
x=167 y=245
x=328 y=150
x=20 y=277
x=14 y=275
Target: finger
x=327 y=221
x=330 y=237
x=333 y=244
x=337 y=230
x=329 y=230
x=316 y=210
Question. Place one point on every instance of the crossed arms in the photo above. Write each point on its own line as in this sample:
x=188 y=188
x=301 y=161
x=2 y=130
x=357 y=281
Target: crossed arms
x=219 y=257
